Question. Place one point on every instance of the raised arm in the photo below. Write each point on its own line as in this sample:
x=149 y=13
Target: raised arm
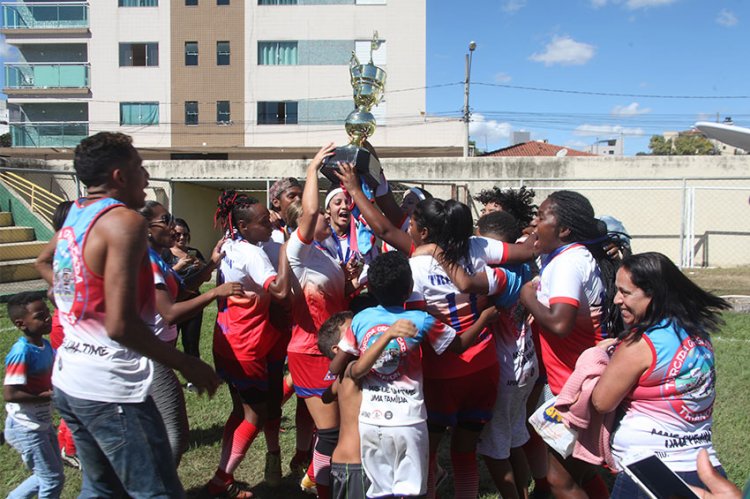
x=402 y=328
x=477 y=283
x=380 y=225
x=310 y=200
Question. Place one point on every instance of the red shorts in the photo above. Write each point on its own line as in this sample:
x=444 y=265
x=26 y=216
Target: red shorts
x=243 y=374
x=310 y=374
x=465 y=401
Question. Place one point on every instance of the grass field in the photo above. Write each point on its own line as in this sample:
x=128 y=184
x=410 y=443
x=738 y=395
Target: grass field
x=207 y=417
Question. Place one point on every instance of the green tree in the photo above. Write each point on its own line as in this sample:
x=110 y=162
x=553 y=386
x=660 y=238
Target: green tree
x=5 y=140
x=660 y=146
x=693 y=145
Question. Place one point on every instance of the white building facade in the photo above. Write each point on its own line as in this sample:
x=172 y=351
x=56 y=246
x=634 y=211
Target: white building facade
x=214 y=73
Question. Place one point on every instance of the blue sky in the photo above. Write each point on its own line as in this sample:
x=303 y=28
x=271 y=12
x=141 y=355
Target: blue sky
x=643 y=50
x=637 y=48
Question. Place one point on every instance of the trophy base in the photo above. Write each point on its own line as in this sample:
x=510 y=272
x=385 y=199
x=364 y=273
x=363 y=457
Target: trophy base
x=367 y=166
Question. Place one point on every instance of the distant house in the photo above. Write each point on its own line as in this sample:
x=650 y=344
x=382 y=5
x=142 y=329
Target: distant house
x=536 y=148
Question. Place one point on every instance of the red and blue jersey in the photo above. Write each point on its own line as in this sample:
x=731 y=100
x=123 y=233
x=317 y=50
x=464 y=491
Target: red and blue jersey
x=29 y=367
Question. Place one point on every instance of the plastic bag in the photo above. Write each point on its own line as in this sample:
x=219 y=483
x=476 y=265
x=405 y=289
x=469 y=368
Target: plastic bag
x=548 y=423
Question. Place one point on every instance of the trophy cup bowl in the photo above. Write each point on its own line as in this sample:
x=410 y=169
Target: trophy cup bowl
x=368 y=84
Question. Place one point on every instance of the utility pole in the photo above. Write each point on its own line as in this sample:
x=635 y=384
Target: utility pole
x=467 y=113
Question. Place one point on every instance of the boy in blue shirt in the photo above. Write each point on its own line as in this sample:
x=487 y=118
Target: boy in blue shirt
x=27 y=390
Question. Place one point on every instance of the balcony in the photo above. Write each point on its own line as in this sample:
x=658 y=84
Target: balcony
x=45 y=78
x=48 y=134
x=42 y=18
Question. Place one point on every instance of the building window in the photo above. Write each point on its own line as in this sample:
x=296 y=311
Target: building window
x=222 y=53
x=277 y=2
x=222 y=2
x=223 y=116
x=139 y=54
x=191 y=112
x=139 y=113
x=369 y=2
x=191 y=2
x=191 y=53
x=277 y=113
x=277 y=53
x=137 y=3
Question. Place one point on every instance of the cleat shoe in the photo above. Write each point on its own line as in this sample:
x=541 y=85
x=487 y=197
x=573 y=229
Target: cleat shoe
x=308 y=485
x=231 y=490
x=71 y=460
x=272 y=474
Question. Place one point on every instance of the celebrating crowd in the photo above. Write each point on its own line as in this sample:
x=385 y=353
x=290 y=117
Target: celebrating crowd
x=392 y=325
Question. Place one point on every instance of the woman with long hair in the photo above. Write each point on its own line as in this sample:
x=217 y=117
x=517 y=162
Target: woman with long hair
x=662 y=372
x=165 y=388
x=570 y=306
x=244 y=336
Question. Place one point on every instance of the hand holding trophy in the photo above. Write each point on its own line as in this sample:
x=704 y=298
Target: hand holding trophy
x=368 y=83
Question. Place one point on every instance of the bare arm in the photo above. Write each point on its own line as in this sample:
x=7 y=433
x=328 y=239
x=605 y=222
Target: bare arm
x=380 y=225
x=629 y=362
x=43 y=262
x=13 y=393
x=310 y=201
x=280 y=288
x=521 y=252
x=177 y=312
x=477 y=283
x=402 y=328
x=387 y=202
x=122 y=249
x=558 y=318
x=463 y=341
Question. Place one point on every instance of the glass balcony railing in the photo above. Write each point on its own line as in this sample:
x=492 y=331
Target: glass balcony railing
x=45 y=15
x=45 y=75
x=48 y=133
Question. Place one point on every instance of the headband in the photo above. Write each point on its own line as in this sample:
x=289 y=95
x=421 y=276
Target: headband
x=332 y=195
x=417 y=192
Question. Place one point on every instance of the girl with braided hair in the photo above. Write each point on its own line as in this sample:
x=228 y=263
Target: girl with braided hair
x=571 y=308
x=245 y=339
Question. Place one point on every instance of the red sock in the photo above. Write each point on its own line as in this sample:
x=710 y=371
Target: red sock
x=65 y=439
x=596 y=487
x=288 y=391
x=271 y=431
x=432 y=475
x=465 y=474
x=238 y=435
x=322 y=467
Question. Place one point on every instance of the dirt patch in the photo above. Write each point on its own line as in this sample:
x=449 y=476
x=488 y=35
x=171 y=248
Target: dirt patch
x=722 y=281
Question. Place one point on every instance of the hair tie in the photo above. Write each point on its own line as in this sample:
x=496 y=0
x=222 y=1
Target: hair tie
x=332 y=195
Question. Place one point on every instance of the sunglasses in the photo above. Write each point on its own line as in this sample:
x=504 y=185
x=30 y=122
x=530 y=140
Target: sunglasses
x=166 y=219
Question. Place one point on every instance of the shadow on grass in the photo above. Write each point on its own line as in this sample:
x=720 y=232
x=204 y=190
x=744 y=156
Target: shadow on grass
x=206 y=436
x=289 y=488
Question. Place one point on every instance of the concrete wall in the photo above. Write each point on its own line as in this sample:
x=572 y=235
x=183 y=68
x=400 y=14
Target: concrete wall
x=648 y=194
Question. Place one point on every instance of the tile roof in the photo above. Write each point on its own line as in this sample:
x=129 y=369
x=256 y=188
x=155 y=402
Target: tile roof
x=535 y=148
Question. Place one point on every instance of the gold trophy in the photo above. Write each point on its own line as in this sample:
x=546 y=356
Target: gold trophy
x=368 y=83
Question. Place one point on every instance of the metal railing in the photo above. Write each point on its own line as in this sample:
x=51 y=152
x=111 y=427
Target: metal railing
x=41 y=201
x=45 y=15
x=48 y=133
x=46 y=75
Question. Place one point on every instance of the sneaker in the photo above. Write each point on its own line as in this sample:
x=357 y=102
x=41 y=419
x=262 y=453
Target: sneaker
x=308 y=485
x=298 y=466
x=70 y=460
x=272 y=474
x=230 y=490
x=191 y=388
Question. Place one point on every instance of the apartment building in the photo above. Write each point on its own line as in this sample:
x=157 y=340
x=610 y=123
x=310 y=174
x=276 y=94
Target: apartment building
x=182 y=75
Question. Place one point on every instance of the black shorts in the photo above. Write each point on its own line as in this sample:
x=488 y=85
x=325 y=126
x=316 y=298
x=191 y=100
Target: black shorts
x=348 y=481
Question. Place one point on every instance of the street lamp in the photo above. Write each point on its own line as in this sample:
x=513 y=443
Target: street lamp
x=467 y=113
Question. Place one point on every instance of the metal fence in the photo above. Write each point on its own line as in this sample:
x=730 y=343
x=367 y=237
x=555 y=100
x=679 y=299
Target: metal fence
x=697 y=222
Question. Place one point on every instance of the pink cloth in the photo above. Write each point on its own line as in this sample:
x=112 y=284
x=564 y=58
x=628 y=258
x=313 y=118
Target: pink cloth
x=577 y=411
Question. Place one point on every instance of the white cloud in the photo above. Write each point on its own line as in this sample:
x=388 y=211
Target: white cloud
x=565 y=51
x=632 y=109
x=645 y=4
x=597 y=130
x=488 y=131
x=726 y=18
x=512 y=6
x=576 y=144
x=502 y=78
x=7 y=52
x=598 y=3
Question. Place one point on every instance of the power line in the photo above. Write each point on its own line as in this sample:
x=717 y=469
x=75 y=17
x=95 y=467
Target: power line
x=609 y=94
